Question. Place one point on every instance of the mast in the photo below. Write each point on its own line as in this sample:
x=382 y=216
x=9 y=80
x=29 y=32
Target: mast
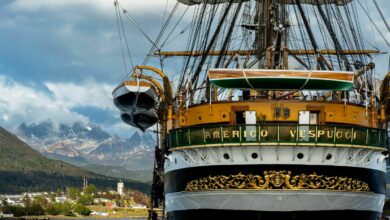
x=315 y=36
x=261 y=33
x=270 y=37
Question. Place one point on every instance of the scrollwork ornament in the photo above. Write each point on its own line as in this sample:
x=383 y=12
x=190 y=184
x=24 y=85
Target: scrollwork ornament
x=277 y=180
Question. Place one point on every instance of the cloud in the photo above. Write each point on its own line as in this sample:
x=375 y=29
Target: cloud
x=121 y=129
x=61 y=103
x=100 y=6
x=86 y=94
x=70 y=40
x=94 y=100
x=21 y=103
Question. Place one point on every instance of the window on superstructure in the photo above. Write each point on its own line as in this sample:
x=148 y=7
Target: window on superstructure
x=314 y=118
x=240 y=117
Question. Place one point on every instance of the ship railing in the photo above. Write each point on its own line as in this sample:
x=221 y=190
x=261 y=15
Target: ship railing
x=232 y=135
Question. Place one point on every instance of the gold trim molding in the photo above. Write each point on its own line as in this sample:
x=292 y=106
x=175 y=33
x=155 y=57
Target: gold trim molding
x=277 y=144
x=277 y=180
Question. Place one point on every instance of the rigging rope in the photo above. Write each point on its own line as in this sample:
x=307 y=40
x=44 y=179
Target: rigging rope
x=228 y=36
x=195 y=76
x=126 y=41
x=199 y=43
x=139 y=27
x=302 y=34
x=174 y=28
x=333 y=35
x=381 y=14
x=309 y=31
x=154 y=46
x=373 y=23
x=120 y=35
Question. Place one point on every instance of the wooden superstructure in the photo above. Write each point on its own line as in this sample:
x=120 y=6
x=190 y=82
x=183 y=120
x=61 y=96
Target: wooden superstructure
x=273 y=111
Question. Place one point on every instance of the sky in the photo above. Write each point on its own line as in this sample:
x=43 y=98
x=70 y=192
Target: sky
x=61 y=59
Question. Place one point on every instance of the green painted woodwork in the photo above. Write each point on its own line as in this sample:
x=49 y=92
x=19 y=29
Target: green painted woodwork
x=278 y=134
x=272 y=83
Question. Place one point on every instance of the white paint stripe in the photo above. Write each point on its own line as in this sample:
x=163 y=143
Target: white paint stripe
x=275 y=201
x=313 y=156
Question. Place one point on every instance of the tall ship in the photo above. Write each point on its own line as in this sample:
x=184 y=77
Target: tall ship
x=271 y=109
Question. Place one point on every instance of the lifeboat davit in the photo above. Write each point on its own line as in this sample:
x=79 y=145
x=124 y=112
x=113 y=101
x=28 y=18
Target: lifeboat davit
x=137 y=101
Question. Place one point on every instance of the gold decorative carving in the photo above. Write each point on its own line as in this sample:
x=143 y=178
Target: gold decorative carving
x=277 y=180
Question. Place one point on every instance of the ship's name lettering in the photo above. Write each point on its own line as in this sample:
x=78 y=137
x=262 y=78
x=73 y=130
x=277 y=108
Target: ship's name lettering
x=302 y=133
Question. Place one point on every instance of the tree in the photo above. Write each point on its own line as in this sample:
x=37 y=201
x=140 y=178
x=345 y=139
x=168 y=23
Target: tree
x=58 y=192
x=140 y=197
x=35 y=209
x=67 y=209
x=4 y=202
x=53 y=197
x=26 y=201
x=91 y=189
x=82 y=210
x=41 y=200
x=17 y=211
x=85 y=200
x=73 y=193
x=53 y=209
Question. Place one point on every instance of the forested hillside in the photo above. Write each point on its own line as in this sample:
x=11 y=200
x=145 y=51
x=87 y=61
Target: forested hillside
x=24 y=169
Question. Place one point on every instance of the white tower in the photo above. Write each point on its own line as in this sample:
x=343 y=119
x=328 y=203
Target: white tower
x=121 y=187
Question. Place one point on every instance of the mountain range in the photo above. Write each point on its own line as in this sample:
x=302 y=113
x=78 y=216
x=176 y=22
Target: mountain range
x=89 y=146
x=24 y=169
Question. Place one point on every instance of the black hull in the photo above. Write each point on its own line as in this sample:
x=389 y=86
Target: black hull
x=252 y=215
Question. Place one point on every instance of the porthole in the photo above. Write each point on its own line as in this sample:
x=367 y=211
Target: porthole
x=223 y=116
x=329 y=156
x=226 y=156
x=300 y=156
x=255 y=155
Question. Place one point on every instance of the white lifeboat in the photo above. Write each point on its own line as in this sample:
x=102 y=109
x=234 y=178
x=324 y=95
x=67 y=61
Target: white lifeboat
x=140 y=119
x=137 y=101
x=133 y=95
